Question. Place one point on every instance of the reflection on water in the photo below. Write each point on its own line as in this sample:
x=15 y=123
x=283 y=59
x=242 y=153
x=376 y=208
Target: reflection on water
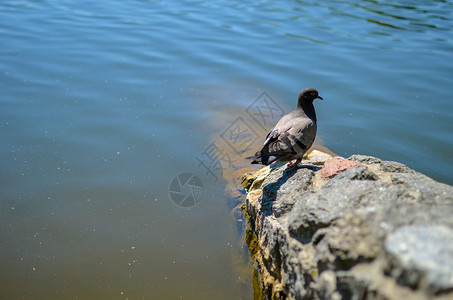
x=103 y=105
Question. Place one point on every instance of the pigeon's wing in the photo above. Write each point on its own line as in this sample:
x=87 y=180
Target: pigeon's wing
x=292 y=135
x=290 y=138
x=272 y=136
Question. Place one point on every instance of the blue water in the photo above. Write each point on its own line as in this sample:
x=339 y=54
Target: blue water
x=103 y=104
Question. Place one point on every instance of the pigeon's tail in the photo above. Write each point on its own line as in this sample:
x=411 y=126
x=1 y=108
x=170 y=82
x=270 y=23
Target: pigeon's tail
x=266 y=160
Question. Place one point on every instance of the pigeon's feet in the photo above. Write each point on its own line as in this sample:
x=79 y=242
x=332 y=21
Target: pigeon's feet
x=294 y=164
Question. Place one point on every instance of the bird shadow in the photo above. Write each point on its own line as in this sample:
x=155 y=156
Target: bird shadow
x=311 y=167
x=270 y=190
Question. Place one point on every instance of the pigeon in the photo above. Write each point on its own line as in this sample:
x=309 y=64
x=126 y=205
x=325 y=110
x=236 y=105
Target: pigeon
x=293 y=135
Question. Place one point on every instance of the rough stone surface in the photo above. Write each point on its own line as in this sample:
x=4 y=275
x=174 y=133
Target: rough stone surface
x=419 y=256
x=335 y=166
x=365 y=159
x=378 y=230
x=317 y=157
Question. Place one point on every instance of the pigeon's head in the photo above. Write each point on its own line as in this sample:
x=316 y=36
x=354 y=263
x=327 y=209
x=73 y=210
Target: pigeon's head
x=308 y=95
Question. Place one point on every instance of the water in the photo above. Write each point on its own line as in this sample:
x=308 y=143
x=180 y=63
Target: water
x=104 y=103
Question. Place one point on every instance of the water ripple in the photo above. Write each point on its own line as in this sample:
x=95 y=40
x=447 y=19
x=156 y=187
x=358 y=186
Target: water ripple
x=104 y=103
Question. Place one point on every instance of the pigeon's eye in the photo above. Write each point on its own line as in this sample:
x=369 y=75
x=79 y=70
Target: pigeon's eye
x=312 y=93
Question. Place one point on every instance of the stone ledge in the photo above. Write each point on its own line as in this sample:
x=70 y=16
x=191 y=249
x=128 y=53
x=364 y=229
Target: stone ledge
x=372 y=229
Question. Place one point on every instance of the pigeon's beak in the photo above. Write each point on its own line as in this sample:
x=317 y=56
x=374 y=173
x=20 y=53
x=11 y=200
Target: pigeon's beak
x=319 y=97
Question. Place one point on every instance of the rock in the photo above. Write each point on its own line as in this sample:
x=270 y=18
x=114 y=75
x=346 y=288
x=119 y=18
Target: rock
x=376 y=230
x=335 y=166
x=317 y=153
x=317 y=157
x=357 y=173
x=394 y=167
x=256 y=178
x=418 y=257
x=327 y=285
x=365 y=159
x=288 y=184
x=319 y=160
